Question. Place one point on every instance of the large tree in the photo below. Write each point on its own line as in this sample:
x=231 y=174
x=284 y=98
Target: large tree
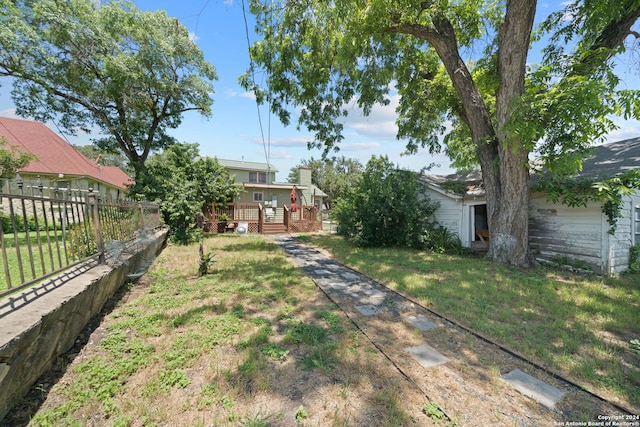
x=462 y=61
x=86 y=64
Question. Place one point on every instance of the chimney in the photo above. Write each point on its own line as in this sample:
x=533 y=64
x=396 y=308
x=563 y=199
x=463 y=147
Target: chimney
x=304 y=176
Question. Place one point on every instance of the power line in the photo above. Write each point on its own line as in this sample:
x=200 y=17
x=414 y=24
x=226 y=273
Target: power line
x=266 y=144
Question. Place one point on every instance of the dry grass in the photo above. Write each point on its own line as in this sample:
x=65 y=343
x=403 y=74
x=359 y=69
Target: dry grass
x=252 y=343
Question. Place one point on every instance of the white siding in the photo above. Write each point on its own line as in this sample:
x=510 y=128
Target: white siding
x=449 y=214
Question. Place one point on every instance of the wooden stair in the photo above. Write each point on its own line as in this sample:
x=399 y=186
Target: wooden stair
x=273 y=228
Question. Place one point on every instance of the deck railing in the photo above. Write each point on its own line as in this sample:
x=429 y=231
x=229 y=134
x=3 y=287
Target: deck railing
x=47 y=230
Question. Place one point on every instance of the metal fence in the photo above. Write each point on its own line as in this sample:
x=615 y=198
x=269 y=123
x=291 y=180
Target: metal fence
x=47 y=230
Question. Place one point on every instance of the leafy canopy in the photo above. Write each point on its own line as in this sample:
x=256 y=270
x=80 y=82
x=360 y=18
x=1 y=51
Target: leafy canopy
x=324 y=57
x=12 y=159
x=87 y=64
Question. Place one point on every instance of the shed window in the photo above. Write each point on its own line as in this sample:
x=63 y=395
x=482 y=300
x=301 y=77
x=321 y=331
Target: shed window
x=636 y=225
x=257 y=177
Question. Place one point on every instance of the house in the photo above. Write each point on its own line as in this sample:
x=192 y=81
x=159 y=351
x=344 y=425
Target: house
x=579 y=235
x=259 y=188
x=58 y=164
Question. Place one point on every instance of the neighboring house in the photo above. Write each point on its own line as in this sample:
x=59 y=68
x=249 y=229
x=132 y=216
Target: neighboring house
x=259 y=187
x=556 y=231
x=58 y=164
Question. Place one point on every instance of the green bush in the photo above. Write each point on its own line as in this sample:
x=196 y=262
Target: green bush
x=634 y=258
x=388 y=207
x=81 y=242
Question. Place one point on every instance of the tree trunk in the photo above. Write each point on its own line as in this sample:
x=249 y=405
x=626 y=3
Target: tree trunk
x=503 y=158
x=509 y=218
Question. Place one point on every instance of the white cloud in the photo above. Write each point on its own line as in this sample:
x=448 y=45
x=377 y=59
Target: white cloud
x=249 y=95
x=292 y=141
x=381 y=122
x=10 y=113
x=359 y=146
x=280 y=154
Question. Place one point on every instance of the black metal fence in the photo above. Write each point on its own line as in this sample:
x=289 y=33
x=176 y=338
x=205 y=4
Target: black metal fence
x=47 y=230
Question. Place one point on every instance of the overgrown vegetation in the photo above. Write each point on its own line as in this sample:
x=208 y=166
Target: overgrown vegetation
x=577 y=325
x=389 y=207
x=232 y=348
x=183 y=183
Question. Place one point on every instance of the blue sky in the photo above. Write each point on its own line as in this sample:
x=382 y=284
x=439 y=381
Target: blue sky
x=233 y=131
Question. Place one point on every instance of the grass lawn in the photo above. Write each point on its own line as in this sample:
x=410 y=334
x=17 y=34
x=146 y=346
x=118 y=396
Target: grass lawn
x=580 y=326
x=252 y=343
x=44 y=259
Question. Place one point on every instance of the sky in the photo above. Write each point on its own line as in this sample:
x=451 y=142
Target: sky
x=234 y=132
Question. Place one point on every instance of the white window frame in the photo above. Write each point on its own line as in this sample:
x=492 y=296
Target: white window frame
x=258 y=197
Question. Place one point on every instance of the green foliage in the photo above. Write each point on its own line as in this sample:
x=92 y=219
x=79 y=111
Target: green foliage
x=206 y=259
x=432 y=409
x=12 y=159
x=634 y=258
x=183 y=183
x=301 y=414
x=579 y=192
x=109 y=65
x=387 y=207
x=81 y=241
x=7 y=226
x=335 y=176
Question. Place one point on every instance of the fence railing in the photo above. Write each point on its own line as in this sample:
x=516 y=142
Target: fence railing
x=47 y=230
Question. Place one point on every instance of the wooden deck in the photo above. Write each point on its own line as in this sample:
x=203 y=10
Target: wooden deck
x=262 y=220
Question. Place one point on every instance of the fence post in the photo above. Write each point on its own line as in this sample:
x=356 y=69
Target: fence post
x=95 y=215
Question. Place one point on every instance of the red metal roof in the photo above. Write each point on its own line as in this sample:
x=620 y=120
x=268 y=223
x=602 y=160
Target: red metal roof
x=55 y=155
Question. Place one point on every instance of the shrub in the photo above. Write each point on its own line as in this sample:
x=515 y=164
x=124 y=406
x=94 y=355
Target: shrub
x=388 y=207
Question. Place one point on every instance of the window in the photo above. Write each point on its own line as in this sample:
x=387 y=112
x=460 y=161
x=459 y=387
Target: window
x=257 y=197
x=257 y=177
x=636 y=225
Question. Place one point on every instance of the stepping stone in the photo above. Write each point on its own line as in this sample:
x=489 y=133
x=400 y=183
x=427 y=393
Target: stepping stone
x=534 y=388
x=426 y=356
x=336 y=286
x=368 y=310
x=321 y=272
x=349 y=276
x=420 y=322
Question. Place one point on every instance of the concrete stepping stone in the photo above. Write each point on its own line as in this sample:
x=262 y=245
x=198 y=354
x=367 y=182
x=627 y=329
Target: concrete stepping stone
x=349 y=276
x=321 y=272
x=534 y=388
x=368 y=309
x=420 y=322
x=426 y=356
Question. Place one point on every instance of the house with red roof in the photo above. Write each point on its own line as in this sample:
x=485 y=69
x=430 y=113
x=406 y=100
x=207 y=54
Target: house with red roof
x=57 y=163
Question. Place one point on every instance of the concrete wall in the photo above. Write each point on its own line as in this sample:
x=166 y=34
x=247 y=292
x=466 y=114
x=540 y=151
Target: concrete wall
x=41 y=323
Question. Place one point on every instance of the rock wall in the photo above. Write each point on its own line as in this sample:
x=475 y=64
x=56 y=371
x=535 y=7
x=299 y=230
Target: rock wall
x=41 y=323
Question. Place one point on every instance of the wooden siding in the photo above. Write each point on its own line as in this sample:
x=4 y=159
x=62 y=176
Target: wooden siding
x=558 y=231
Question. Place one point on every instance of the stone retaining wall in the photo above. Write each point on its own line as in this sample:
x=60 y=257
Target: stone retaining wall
x=41 y=323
